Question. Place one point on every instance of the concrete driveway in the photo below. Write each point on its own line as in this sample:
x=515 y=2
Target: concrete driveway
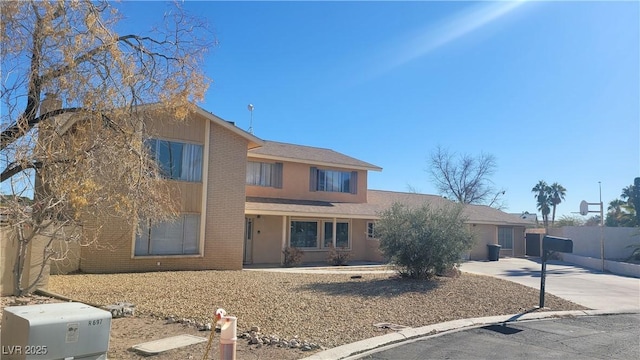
x=587 y=287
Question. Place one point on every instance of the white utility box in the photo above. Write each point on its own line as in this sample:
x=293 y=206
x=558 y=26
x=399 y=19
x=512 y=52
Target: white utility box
x=65 y=331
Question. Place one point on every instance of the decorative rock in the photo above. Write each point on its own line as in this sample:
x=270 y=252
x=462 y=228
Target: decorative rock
x=22 y=300
x=170 y=320
x=306 y=348
x=118 y=310
x=255 y=329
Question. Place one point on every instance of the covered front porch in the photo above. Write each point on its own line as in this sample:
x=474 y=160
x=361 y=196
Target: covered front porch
x=313 y=227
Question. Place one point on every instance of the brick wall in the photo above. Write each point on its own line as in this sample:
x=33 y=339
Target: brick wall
x=224 y=220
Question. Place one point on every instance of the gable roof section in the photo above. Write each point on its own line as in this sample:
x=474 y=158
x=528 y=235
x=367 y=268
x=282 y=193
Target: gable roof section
x=254 y=141
x=272 y=150
x=378 y=201
x=65 y=121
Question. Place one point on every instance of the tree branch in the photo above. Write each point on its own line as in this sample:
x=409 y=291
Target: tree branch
x=14 y=168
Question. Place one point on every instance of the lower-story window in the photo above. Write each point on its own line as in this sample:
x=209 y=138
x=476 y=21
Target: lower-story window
x=371 y=226
x=178 y=237
x=505 y=237
x=304 y=234
x=342 y=234
x=307 y=234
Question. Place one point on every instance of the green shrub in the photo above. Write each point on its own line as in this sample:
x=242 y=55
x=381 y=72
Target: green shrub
x=338 y=257
x=423 y=242
x=635 y=252
x=292 y=256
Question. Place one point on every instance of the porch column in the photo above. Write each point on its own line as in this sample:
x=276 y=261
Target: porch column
x=335 y=228
x=284 y=238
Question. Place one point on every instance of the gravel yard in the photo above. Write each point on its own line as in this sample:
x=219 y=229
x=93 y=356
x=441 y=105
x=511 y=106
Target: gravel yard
x=328 y=309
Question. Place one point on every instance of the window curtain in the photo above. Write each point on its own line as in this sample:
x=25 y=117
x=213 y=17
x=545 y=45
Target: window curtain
x=265 y=174
x=313 y=179
x=191 y=163
x=142 y=238
x=353 y=182
x=276 y=176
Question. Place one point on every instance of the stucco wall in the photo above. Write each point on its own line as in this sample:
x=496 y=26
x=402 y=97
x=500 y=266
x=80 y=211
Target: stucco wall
x=67 y=253
x=8 y=251
x=484 y=234
x=586 y=240
x=295 y=185
x=267 y=245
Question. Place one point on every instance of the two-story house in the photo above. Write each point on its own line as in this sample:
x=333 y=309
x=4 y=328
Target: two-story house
x=309 y=198
x=313 y=198
x=243 y=200
x=204 y=160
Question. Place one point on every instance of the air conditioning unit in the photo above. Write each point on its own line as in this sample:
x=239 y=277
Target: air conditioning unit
x=61 y=331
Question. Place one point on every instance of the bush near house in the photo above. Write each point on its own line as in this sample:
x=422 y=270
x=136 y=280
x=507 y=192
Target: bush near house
x=338 y=257
x=423 y=242
x=292 y=256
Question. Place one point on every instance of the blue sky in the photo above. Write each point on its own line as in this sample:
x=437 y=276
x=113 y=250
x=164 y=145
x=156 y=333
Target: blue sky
x=551 y=89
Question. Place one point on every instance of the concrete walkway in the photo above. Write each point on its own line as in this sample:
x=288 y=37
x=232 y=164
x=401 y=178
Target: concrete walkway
x=587 y=287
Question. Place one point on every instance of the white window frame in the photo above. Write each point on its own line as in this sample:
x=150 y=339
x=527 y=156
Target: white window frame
x=145 y=238
x=320 y=233
x=186 y=174
x=333 y=180
x=500 y=242
x=334 y=238
x=264 y=174
x=371 y=230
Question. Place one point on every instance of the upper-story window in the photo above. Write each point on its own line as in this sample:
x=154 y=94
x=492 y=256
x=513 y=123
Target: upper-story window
x=177 y=160
x=333 y=180
x=264 y=174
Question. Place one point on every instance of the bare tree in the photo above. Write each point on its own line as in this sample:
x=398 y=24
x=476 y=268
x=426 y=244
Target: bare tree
x=72 y=127
x=465 y=178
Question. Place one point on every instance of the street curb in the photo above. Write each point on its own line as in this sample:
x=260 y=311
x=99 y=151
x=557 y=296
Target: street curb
x=365 y=347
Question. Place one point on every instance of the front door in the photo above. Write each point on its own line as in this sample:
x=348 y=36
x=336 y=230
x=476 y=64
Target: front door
x=248 y=240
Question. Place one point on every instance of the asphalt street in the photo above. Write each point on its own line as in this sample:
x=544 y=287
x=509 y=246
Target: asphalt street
x=584 y=337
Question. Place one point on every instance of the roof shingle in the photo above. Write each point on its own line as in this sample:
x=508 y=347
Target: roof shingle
x=378 y=201
x=311 y=155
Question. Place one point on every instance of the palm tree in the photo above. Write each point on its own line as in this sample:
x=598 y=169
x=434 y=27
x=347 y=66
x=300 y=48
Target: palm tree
x=615 y=212
x=556 y=195
x=541 y=191
x=628 y=193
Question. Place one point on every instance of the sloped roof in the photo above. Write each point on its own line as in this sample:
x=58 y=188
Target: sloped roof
x=378 y=201
x=253 y=141
x=66 y=121
x=273 y=150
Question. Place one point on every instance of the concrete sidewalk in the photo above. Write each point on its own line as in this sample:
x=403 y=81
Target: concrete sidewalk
x=587 y=287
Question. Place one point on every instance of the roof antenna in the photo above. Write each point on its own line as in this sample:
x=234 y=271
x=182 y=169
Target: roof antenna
x=250 y=107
